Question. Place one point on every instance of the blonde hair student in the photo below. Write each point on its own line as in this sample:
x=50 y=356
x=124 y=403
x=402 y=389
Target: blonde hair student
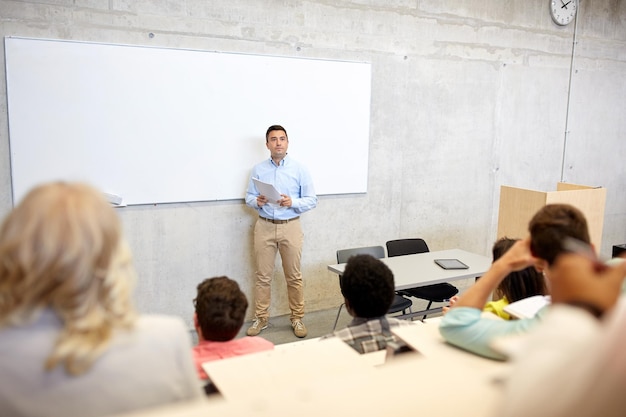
x=69 y=335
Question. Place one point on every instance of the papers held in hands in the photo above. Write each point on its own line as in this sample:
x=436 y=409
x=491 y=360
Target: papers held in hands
x=451 y=264
x=268 y=190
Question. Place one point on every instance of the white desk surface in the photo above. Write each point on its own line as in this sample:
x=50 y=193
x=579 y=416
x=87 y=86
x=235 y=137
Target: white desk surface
x=427 y=340
x=417 y=387
x=411 y=271
x=322 y=379
x=242 y=377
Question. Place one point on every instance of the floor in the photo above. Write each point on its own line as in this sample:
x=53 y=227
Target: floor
x=318 y=323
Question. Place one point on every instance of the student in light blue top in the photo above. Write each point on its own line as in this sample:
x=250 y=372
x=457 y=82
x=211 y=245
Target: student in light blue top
x=464 y=326
x=517 y=285
x=278 y=228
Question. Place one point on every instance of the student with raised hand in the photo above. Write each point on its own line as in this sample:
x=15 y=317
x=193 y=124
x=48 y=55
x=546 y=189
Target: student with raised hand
x=573 y=364
x=517 y=285
x=463 y=325
x=71 y=343
x=368 y=288
x=220 y=310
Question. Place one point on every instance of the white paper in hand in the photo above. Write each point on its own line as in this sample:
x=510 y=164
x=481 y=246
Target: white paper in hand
x=268 y=190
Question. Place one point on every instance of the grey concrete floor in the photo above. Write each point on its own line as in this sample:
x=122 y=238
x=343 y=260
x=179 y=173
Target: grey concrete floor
x=318 y=323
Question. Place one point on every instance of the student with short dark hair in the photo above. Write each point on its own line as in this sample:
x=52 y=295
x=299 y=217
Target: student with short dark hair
x=573 y=363
x=220 y=310
x=368 y=288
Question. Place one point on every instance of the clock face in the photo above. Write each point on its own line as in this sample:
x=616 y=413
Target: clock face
x=563 y=11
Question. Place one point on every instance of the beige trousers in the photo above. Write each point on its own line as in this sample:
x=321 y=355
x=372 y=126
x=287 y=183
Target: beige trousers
x=287 y=239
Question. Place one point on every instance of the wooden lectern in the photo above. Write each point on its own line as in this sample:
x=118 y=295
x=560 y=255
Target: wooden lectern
x=517 y=207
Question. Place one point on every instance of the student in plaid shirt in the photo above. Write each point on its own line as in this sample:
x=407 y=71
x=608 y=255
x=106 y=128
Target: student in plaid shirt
x=367 y=286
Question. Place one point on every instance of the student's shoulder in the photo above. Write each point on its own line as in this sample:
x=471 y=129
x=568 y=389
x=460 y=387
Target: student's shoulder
x=159 y=333
x=497 y=308
x=256 y=341
x=398 y=322
x=295 y=163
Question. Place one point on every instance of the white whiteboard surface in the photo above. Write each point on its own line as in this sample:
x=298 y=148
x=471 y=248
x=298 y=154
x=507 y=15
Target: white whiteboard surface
x=156 y=125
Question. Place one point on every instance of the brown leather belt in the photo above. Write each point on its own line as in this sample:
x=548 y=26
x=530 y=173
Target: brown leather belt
x=278 y=221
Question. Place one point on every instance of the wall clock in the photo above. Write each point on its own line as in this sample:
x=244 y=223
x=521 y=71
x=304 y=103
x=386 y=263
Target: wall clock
x=563 y=11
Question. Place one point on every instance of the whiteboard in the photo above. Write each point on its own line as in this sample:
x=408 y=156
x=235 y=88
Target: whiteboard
x=158 y=125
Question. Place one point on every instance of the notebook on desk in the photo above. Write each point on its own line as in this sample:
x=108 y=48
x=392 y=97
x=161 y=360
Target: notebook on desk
x=527 y=307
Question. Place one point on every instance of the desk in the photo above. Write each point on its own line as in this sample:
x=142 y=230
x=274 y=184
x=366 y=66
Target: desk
x=427 y=340
x=418 y=270
x=253 y=376
x=410 y=271
x=321 y=379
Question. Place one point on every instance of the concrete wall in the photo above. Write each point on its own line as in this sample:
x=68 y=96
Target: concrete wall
x=467 y=95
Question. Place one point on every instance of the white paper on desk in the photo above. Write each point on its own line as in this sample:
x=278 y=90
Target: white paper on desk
x=268 y=190
x=527 y=307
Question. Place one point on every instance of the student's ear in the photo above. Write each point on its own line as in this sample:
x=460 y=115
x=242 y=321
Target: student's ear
x=348 y=307
x=197 y=327
x=541 y=265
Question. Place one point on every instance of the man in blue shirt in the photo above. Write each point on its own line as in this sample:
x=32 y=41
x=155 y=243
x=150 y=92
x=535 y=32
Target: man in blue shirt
x=278 y=228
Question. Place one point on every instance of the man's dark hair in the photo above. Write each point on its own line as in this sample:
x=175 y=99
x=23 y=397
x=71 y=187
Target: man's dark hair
x=272 y=128
x=551 y=225
x=220 y=308
x=368 y=286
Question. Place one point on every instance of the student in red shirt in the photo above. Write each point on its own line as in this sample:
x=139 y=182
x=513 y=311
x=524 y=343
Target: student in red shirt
x=220 y=312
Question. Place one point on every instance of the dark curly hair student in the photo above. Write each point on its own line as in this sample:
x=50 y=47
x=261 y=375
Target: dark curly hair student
x=367 y=286
x=220 y=310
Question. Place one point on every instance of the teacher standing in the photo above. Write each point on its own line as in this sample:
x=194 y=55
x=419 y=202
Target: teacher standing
x=278 y=228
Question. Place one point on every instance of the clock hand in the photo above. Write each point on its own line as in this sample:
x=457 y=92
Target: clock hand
x=565 y=4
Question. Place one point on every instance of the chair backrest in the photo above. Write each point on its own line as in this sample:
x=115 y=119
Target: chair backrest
x=401 y=247
x=344 y=254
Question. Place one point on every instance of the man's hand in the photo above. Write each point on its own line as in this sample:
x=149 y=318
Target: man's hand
x=285 y=201
x=261 y=200
x=518 y=257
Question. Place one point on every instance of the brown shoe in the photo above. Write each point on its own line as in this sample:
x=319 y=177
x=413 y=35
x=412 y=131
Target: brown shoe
x=257 y=326
x=298 y=328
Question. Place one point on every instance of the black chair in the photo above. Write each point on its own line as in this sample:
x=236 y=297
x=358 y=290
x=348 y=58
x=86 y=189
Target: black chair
x=432 y=293
x=399 y=304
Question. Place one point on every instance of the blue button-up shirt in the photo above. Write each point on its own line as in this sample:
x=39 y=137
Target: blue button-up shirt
x=290 y=178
